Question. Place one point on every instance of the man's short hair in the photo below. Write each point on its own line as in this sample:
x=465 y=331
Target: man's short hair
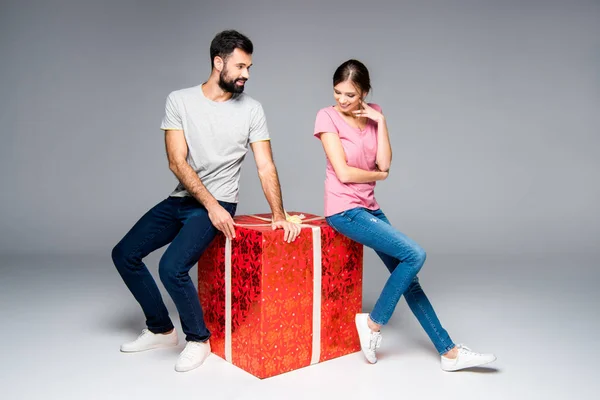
x=226 y=42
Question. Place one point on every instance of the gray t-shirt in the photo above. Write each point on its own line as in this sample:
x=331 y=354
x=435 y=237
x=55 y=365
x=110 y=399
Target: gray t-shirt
x=217 y=135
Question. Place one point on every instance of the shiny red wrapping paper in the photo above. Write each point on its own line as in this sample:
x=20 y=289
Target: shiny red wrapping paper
x=272 y=296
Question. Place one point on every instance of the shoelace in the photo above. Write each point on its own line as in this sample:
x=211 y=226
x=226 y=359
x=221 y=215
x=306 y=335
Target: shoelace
x=144 y=333
x=465 y=349
x=374 y=341
x=188 y=353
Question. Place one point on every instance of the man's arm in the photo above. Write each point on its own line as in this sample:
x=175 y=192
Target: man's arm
x=177 y=151
x=263 y=156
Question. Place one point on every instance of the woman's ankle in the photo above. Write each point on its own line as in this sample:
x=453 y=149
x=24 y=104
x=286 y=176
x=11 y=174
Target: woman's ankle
x=451 y=354
x=372 y=325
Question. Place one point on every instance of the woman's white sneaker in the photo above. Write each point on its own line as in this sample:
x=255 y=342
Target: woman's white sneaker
x=466 y=359
x=192 y=356
x=148 y=340
x=369 y=340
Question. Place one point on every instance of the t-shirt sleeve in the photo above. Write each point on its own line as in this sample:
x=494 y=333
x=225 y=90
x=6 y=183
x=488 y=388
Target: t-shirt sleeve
x=172 y=118
x=258 y=125
x=324 y=123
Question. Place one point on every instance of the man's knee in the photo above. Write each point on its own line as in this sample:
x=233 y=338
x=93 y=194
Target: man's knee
x=168 y=272
x=119 y=256
x=124 y=258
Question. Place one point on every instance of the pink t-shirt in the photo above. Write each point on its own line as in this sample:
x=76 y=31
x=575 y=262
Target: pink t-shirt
x=360 y=147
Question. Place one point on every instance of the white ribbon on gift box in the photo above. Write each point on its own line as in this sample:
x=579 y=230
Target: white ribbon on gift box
x=317 y=271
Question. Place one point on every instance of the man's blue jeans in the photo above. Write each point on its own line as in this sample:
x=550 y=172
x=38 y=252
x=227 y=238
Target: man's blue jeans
x=183 y=222
x=403 y=258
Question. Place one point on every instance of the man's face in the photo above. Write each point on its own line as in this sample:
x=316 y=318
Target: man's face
x=235 y=72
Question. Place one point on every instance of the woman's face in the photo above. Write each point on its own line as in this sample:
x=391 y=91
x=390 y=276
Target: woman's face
x=347 y=96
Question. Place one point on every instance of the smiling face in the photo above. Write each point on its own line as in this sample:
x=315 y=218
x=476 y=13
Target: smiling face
x=235 y=71
x=347 y=96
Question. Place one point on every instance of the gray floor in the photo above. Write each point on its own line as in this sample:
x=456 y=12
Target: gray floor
x=64 y=318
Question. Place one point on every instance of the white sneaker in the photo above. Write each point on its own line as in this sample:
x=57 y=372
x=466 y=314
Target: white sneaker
x=369 y=340
x=148 y=340
x=466 y=359
x=192 y=356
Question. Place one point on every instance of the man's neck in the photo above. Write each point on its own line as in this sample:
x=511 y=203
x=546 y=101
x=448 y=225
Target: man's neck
x=213 y=91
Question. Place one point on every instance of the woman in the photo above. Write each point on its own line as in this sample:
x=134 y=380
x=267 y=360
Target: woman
x=355 y=138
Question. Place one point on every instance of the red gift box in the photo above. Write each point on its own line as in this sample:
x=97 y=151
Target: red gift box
x=272 y=306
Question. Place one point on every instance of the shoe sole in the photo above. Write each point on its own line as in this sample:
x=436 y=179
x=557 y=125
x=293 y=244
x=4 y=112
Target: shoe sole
x=191 y=368
x=470 y=366
x=158 y=346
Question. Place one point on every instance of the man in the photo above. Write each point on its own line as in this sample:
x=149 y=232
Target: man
x=207 y=132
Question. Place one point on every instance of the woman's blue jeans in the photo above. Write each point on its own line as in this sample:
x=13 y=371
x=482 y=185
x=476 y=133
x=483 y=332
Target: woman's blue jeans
x=403 y=258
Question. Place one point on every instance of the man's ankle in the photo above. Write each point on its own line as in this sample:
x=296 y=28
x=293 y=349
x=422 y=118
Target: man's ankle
x=164 y=333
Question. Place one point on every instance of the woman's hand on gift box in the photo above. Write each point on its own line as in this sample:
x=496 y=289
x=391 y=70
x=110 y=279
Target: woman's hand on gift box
x=291 y=230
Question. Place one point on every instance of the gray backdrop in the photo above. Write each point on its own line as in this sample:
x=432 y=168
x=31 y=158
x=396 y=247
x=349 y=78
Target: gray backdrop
x=493 y=109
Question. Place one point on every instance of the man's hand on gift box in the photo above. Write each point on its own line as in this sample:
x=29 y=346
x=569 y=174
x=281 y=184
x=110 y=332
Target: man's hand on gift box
x=222 y=220
x=291 y=230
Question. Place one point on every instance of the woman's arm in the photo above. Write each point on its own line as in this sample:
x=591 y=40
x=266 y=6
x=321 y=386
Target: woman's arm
x=384 y=149
x=337 y=157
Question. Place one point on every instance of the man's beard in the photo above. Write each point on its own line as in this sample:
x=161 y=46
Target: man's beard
x=229 y=85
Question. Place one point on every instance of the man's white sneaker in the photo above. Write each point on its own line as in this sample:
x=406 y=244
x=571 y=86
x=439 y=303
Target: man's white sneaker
x=192 y=356
x=466 y=359
x=148 y=340
x=369 y=340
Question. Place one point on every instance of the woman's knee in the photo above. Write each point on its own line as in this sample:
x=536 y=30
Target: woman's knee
x=421 y=255
x=417 y=258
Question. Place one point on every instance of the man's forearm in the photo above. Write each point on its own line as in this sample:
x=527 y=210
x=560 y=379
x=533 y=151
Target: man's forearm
x=192 y=183
x=272 y=189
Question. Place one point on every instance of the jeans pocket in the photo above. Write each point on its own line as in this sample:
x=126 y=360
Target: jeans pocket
x=342 y=218
x=232 y=210
x=229 y=207
x=349 y=215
